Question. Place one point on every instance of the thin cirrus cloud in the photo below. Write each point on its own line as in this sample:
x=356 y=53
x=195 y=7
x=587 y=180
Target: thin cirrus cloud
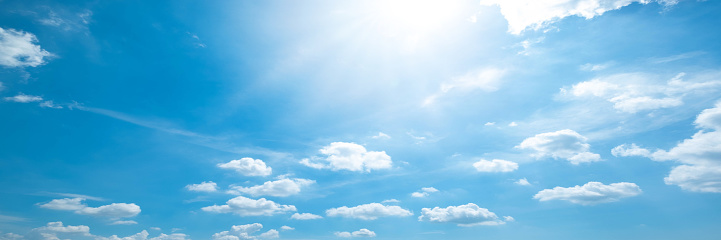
x=467 y=215
x=363 y=232
x=495 y=165
x=566 y=144
x=243 y=206
x=371 y=211
x=486 y=79
x=350 y=157
x=591 y=193
x=532 y=14
x=19 y=49
x=278 y=188
x=77 y=205
x=248 y=167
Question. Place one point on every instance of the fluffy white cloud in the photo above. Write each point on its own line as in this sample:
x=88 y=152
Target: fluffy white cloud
x=496 y=165
x=243 y=206
x=305 y=216
x=700 y=156
x=242 y=232
x=360 y=233
x=124 y=223
x=369 y=211
x=10 y=236
x=590 y=193
x=391 y=201
x=625 y=150
x=349 y=156
x=22 y=98
x=18 y=49
x=203 y=187
x=635 y=92
x=113 y=210
x=57 y=231
x=286 y=228
x=538 y=14
x=424 y=192
x=488 y=80
x=248 y=167
x=523 y=182
x=279 y=188
x=566 y=144
x=464 y=215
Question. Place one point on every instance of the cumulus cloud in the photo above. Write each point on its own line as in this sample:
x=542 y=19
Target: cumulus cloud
x=279 y=188
x=391 y=201
x=464 y=215
x=203 y=187
x=495 y=165
x=590 y=193
x=625 y=150
x=699 y=155
x=349 y=156
x=381 y=136
x=57 y=231
x=566 y=144
x=523 y=182
x=636 y=92
x=369 y=211
x=18 y=49
x=22 y=98
x=113 y=210
x=243 y=206
x=130 y=222
x=538 y=14
x=247 y=231
x=487 y=80
x=305 y=216
x=424 y=192
x=360 y=233
x=248 y=167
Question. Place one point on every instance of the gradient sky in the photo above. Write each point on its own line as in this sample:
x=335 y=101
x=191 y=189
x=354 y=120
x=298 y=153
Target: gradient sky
x=229 y=120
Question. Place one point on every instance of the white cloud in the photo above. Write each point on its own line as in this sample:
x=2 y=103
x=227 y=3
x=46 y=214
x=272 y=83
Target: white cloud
x=381 y=136
x=523 y=182
x=538 y=14
x=349 y=156
x=279 y=188
x=487 y=80
x=203 y=187
x=700 y=156
x=429 y=189
x=369 y=211
x=566 y=144
x=636 y=92
x=595 y=67
x=18 y=49
x=343 y=234
x=57 y=231
x=50 y=104
x=424 y=192
x=60 y=228
x=590 y=193
x=243 y=206
x=11 y=236
x=113 y=210
x=286 y=228
x=360 y=233
x=22 y=98
x=625 y=150
x=305 y=216
x=489 y=124
x=124 y=222
x=496 y=165
x=464 y=215
x=238 y=232
x=513 y=124
x=390 y=201
x=248 y=167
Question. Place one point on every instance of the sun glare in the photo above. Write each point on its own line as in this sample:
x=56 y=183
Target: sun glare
x=417 y=16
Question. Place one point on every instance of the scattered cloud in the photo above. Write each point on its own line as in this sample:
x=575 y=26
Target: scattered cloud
x=595 y=67
x=279 y=188
x=112 y=211
x=513 y=124
x=625 y=150
x=50 y=104
x=119 y=222
x=286 y=228
x=203 y=187
x=243 y=206
x=245 y=232
x=360 y=233
x=22 y=98
x=381 y=136
x=248 y=167
x=349 y=156
x=489 y=124
x=566 y=144
x=523 y=182
x=487 y=80
x=305 y=216
x=591 y=193
x=391 y=201
x=495 y=165
x=57 y=231
x=369 y=211
x=464 y=215
x=18 y=49
x=424 y=192
x=530 y=14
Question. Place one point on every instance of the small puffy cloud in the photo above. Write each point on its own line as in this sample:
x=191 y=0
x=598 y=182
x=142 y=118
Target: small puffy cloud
x=381 y=136
x=464 y=215
x=487 y=80
x=625 y=150
x=360 y=233
x=124 y=222
x=349 y=156
x=495 y=165
x=60 y=228
x=535 y=15
x=424 y=192
x=590 y=193
x=391 y=201
x=489 y=124
x=286 y=228
x=513 y=124
x=243 y=206
x=247 y=231
x=203 y=187
x=18 y=49
x=699 y=155
x=22 y=98
x=248 y=167
x=113 y=210
x=523 y=182
x=305 y=216
x=369 y=211
x=279 y=188
x=566 y=144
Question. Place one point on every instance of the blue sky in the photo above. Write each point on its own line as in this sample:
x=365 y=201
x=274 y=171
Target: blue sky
x=572 y=119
